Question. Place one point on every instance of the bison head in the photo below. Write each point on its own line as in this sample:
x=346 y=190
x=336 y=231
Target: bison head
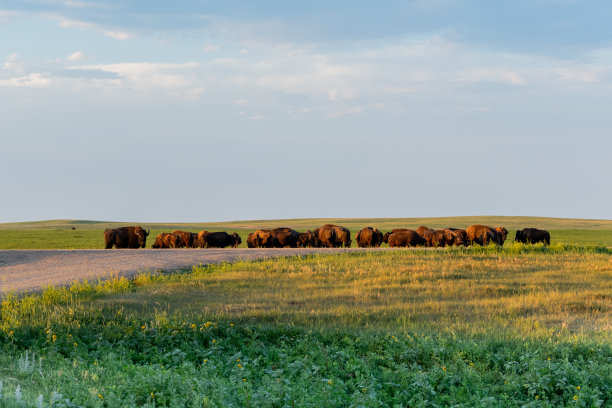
x=237 y=239
x=386 y=237
x=142 y=236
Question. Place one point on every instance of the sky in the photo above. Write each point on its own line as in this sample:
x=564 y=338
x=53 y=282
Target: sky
x=194 y=111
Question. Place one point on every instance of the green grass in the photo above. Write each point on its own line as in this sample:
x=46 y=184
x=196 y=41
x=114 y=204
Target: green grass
x=513 y=327
x=57 y=234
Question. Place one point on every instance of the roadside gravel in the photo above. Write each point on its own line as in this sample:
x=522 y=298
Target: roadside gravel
x=31 y=270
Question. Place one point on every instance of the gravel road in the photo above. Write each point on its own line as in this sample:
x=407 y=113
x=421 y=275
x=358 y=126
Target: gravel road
x=30 y=270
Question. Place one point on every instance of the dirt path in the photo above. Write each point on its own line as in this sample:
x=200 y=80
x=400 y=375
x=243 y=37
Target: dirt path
x=26 y=270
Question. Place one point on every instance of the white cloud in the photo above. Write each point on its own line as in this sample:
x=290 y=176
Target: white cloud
x=211 y=47
x=33 y=80
x=116 y=34
x=75 y=56
x=491 y=75
x=176 y=79
x=243 y=51
x=10 y=61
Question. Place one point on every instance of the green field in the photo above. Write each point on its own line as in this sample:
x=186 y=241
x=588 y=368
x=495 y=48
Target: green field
x=520 y=326
x=57 y=234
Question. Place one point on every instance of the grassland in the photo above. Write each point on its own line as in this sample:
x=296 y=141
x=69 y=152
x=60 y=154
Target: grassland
x=518 y=326
x=57 y=234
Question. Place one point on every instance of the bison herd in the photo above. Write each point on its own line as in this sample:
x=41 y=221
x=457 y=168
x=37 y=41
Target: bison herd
x=328 y=236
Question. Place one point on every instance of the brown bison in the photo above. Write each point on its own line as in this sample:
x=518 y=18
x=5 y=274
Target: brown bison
x=406 y=238
x=435 y=238
x=251 y=242
x=423 y=229
x=332 y=236
x=502 y=233
x=201 y=239
x=218 y=239
x=483 y=235
x=258 y=238
x=306 y=239
x=281 y=238
x=369 y=237
x=189 y=239
x=168 y=240
x=386 y=236
x=125 y=237
x=532 y=236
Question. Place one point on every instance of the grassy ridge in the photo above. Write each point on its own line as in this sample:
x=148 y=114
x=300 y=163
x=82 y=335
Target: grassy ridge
x=509 y=222
x=519 y=326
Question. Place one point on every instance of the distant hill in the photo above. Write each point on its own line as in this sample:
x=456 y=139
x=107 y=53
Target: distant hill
x=310 y=223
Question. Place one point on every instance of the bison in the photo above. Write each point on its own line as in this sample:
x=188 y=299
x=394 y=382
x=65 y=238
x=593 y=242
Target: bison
x=482 y=234
x=422 y=229
x=218 y=239
x=281 y=238
x=332 y=236
x=306 y=239
x=405 y=238
x=126 y=237
x=369 y=237
x=387 y=234
x=189 y=239
x=258 y=238
x=532 y=236
x=502 y=233
x=251 y=242
x=168 y=240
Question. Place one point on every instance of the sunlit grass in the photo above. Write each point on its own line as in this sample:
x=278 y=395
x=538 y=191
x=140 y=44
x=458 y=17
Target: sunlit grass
x=518 y=326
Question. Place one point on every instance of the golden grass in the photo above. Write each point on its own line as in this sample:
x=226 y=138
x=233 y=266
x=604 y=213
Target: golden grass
x=530 y=294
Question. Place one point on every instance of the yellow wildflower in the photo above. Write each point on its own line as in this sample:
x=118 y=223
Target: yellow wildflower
x=575 y=397
x=100 y=396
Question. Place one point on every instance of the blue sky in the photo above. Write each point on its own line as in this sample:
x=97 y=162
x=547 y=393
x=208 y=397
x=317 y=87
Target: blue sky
x=202 y=110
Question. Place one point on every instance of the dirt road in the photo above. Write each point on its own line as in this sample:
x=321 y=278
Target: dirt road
x=27 y=270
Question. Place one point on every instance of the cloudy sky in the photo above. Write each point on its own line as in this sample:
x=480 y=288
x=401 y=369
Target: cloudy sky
x=226 y=110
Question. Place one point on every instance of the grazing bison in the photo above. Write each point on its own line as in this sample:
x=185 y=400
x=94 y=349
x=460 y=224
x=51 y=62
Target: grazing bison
x=502 y=233
x=168 y=240
x=281 y=238
x=218 y=240
x=435 y=238
x=369 y=237
x=423 y=229
x=125 y=237
x=482 y=234
x=188 y=239
x=532 y=236
x=258 y=238
x=251 y=242
x=306 y=239
x=201 y=239
x=386 y=236
x=406 y=238
x=332 y=236
x=453 y=237
x=462 y=235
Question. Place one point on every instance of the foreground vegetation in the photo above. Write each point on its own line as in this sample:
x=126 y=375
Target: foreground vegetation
x=519 y=326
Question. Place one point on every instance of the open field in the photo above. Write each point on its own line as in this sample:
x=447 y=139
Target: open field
x=57 y=234
x=518 y=326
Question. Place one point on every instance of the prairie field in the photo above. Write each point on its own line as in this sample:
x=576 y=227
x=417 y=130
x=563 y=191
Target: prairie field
x=57 y=234
x=514 y=326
